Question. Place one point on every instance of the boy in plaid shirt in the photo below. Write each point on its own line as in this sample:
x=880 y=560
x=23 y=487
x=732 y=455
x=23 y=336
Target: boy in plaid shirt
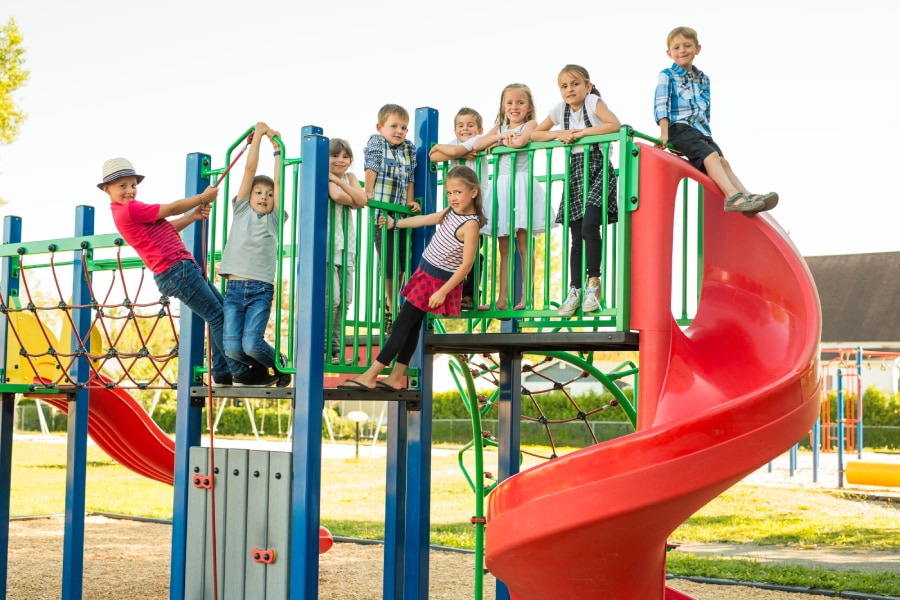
x=390 y=160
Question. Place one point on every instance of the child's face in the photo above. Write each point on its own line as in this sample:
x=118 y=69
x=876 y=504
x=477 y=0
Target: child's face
x=262 y=198
x=394 y=129
x=516 y=106
x=459 y=195
x=339 y=163
x=122 y=190
x=466 y=126
x=574 y=89
x=683 y=50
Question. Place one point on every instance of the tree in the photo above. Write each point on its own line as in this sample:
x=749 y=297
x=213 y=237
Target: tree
x=13 y=75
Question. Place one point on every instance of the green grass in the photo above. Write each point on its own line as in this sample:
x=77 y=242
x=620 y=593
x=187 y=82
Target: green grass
x=353 y=506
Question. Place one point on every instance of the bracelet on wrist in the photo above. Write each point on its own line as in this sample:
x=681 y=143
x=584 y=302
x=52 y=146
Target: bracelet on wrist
x=276 y=153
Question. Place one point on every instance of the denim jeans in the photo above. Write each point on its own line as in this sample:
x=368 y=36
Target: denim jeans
x=185 y=281
x=248 y=304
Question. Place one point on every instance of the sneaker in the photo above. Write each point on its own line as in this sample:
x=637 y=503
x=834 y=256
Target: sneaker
x=256 y=378
x=336 y=358
x=590 y=303
x=568 y=308
x=220 y=380
x=284 y=379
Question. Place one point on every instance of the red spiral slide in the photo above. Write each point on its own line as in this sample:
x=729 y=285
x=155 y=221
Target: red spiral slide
x=716 y=401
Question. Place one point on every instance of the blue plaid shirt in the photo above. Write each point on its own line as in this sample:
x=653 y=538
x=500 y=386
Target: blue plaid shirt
x=683 y=97
x=394 y=165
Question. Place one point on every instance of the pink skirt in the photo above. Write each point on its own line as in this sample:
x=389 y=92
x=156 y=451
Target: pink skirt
x=421 y=286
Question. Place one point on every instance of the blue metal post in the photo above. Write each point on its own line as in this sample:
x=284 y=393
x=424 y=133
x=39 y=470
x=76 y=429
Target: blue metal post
x=309 y=399
x=859 y=403
x=79 y=408
x=816 y=442
x=418 y=484
x=190 y=353
x=840 y=427
x=395 y=500
x=509 y=427
x=9 y=284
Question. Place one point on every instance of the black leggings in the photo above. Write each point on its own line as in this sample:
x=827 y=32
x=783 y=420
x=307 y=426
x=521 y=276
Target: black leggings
x=587 y=229
x=404 y=335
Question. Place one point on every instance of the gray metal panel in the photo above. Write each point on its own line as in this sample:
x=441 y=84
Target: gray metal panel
x=219 y=481
x=279 y=531
x=235 y=524
x=195 y=554
x=257 y=507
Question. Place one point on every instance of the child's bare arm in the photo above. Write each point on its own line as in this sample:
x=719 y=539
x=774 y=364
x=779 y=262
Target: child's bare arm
x=201 y=212
x=542 y=132
x=413 y=222
x=276 y=176
x=664 y=131
x=370 y=183
x=348 y=193
x=445 y=152
x=411 y=199
x=524 y=137
x=250 y=167
x=179 y=207
x=488 y=140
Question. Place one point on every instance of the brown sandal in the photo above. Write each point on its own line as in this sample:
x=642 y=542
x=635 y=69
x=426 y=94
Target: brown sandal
x=741 y=203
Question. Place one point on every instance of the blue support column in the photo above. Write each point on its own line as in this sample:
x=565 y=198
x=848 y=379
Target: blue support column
x=395 y=500
x=79 y=408
x=9 y=284
x=418 y=484
x=309 y=399
x=859 y=403
x=190 y=355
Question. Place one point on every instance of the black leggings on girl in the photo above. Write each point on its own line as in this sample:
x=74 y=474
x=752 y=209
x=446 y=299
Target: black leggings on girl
x=404 y=336
x=586 y=228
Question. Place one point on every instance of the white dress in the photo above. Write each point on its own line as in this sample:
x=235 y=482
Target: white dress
x=504 y=182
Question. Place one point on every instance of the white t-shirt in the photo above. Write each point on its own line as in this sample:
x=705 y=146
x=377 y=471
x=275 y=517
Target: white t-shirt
x=576 y=118
x=339 y=241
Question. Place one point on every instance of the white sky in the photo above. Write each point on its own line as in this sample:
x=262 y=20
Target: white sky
x=800 y=90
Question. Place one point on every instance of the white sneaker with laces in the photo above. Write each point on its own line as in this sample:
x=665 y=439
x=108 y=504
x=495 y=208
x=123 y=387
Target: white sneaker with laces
x=590 y=303
x=568 y=308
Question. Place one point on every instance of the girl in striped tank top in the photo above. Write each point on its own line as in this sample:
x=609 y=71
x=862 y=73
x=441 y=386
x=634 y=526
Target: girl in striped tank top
x=436 y=286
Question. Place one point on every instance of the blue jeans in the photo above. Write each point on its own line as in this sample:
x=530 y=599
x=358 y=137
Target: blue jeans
x=185 y=281
x=248 y=304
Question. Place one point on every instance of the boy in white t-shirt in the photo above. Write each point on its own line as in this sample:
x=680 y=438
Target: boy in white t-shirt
x=467 y=127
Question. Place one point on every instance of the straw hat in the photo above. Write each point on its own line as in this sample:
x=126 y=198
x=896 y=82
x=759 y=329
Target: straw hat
x=116 y=168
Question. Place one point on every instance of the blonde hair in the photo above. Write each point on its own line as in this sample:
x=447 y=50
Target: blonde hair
x=501 y=114
x=686 y=32
x=389 y=110
x=465 y=110
x=470 y=178
x=581 y=73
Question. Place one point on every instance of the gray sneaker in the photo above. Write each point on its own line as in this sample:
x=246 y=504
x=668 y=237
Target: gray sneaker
x=590 y=303
x=568 y=308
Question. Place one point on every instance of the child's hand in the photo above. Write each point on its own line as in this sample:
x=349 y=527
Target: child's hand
x=209 y=195
x=382 y=221
x=437 y=299
x=569 y=136
x=414 y=206
x=261 y=129
x=202 y=212
x=334 y=178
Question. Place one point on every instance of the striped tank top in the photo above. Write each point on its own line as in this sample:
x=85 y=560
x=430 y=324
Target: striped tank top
x=445 y=250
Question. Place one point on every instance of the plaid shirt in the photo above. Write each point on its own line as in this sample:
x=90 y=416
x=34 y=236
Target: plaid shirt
x=394 y=165
x=683 y=97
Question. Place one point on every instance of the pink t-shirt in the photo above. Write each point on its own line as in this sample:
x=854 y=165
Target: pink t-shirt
x=155 y=240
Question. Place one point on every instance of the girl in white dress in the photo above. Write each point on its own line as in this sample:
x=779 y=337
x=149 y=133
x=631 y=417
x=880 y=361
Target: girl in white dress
x=514 y=124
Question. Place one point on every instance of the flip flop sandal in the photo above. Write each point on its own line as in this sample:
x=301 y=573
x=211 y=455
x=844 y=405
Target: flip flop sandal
x=352 y=384
x=386 y=386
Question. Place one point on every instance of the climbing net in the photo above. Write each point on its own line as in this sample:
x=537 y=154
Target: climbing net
x=129 y=343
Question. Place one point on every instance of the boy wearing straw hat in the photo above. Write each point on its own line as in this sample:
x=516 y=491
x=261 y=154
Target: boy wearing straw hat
x=147 y=229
